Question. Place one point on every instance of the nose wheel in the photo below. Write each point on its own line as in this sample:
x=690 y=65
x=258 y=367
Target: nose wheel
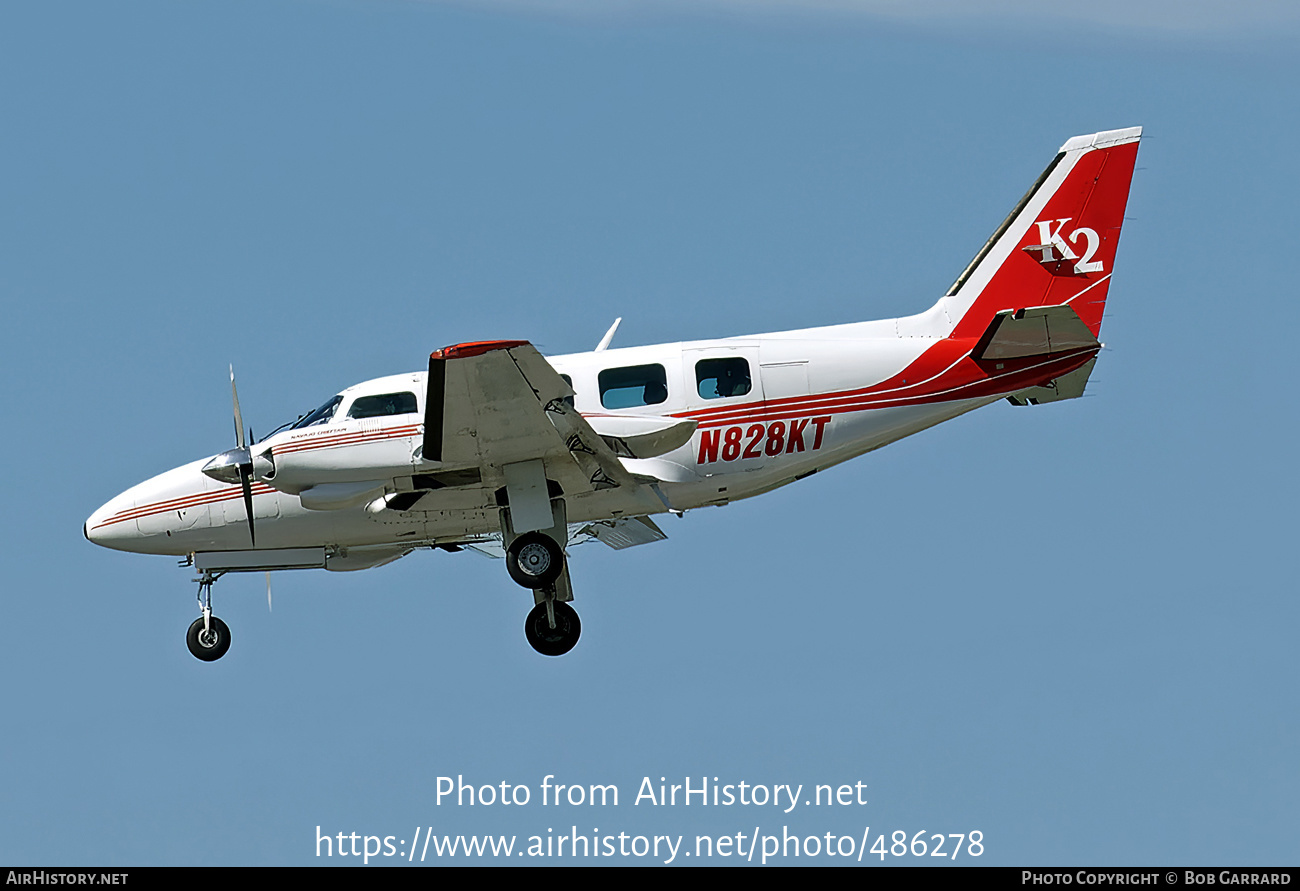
x=208 y=637
x=552 y=628
x=208 y=643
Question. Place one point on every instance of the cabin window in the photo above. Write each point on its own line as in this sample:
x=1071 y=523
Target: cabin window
x=568 y=400
x=633 y=386
x=382 y=406
x=321 y=415
x=722 y=378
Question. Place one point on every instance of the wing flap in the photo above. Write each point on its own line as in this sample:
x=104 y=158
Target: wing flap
x=587 y=448
x=625 y=532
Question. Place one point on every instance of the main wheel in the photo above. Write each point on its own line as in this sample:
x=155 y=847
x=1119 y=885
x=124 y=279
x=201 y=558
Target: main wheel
x=534 y=560
x=552 y=641
x=208 y=645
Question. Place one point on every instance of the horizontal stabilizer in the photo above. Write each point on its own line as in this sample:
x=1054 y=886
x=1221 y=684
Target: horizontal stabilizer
x=1037 y=331
x=1067 y=386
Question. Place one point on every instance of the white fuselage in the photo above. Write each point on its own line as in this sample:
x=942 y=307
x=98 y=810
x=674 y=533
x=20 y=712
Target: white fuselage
x=816 y=397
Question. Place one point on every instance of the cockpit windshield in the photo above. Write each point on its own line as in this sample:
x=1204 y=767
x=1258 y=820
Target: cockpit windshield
x=321 y=415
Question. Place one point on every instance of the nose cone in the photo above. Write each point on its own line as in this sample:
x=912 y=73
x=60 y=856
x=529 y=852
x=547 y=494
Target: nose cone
x=167 y=514
x=113 y=525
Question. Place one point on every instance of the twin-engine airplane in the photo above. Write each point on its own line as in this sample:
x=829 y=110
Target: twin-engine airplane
x=499 y=449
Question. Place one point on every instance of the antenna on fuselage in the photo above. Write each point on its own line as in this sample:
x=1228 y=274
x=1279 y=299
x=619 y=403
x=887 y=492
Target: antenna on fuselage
x=609 y=335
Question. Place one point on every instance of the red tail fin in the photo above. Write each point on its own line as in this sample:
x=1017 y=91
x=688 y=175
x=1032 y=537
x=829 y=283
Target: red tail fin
x=1058 y=246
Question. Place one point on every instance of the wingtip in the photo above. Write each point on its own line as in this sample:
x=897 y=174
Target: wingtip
x=477 y=348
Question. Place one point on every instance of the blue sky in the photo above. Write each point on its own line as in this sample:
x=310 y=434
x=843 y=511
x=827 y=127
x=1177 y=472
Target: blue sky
x=1068 y=627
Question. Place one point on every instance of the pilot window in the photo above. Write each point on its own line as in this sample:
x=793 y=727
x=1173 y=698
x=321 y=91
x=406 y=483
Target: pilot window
x=722 y=378
x=321 y=415
x=568 y=400
x=633 y=386
x=382 y=406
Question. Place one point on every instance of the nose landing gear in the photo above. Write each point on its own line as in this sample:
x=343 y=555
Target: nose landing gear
x=210 y=643
x=208 y=637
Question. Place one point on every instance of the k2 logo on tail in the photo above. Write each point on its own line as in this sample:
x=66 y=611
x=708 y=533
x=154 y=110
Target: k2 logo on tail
x=1050 y=240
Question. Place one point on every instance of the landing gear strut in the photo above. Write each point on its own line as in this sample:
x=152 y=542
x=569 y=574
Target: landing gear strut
x=535 y=559
x=208 y=637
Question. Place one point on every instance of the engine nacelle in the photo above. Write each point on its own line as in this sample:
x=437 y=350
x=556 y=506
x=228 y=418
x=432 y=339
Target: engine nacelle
x=349 y=451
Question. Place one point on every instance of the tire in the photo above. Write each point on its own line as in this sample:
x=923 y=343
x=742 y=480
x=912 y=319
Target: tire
x=552 y=641
x=213 y=645
x=534 y=560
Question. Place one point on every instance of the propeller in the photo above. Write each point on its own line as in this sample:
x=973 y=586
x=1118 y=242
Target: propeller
x=236 y=465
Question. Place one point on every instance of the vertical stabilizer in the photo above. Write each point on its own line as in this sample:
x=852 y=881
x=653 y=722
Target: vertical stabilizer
x=1057 y=247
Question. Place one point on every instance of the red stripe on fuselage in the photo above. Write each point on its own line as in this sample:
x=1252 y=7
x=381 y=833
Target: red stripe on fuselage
x=184 y=503
x=942 y=373
x=338 y=439
x=202 y=498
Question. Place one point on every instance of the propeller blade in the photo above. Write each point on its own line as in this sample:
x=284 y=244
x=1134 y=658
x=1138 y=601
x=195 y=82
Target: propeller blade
x=239 y=419
x=268 y=592
x=246 y=480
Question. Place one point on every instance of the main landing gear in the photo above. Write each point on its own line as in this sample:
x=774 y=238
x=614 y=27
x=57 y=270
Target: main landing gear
x=208 y=637
x=552 y=627
x=536 y=561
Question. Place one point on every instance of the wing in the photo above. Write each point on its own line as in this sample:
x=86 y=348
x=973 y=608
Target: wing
x=499 y=407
